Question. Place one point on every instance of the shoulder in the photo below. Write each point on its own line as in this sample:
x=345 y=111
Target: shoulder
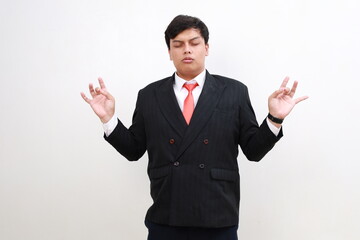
x=229 y=82
x=158 y=84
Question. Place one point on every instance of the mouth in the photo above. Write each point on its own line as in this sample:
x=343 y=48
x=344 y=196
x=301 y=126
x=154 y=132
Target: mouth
x=187 y=60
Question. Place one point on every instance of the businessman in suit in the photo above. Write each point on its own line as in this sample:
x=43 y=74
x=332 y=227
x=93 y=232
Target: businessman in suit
x=191 y=125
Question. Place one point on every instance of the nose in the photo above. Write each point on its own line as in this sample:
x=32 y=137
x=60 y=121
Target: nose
x=187 y=49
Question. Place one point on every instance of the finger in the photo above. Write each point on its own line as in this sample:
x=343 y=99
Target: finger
x=300 y=99
x=287 y=91
x=84 y=97
x=91 y=90
x=293 y=89
x=101 y=83
x=285 y=82
x=106 y=94
x=97 y=90
x=277 y=93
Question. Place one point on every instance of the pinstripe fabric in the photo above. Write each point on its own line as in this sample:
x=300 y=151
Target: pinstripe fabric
x=193 y=169
x=163 y=232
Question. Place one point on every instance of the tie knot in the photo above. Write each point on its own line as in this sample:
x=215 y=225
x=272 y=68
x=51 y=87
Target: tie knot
x=190 y=87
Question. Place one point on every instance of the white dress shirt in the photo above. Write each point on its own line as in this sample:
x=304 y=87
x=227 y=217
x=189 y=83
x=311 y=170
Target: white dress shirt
x=181 y=93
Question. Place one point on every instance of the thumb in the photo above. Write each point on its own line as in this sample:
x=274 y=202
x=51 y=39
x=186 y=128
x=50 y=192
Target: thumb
x=301 y=99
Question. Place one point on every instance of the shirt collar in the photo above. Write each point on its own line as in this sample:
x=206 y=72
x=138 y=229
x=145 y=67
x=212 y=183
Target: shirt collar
x=179 y=82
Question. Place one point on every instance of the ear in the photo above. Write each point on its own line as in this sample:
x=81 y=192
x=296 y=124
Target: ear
x=170 y=54
x=207 y=49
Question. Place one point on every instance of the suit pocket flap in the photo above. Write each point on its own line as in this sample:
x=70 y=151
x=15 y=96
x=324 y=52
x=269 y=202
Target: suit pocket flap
x=224 y=174
x=159 y=172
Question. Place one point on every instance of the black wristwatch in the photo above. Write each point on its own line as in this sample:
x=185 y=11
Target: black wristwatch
x=274 y=119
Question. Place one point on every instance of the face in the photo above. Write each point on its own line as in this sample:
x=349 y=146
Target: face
x=188 y=51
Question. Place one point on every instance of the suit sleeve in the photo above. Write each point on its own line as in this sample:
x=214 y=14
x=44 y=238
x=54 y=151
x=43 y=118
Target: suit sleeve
x=131 y=143
x=255 y=141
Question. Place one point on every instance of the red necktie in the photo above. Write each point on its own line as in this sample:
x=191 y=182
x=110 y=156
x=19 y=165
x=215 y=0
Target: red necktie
x=189 y=102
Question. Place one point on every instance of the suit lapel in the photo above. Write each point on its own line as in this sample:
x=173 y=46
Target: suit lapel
x=169 y=106
x=208 y=99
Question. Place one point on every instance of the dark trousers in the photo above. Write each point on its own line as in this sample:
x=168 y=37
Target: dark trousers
x=164 y=232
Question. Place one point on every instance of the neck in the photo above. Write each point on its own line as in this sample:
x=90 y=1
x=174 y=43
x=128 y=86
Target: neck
x=189 y=76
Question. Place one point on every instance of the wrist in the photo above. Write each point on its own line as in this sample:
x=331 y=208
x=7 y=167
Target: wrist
x=106 y=119
x=274 y=127
x=275 y=119
x=110 y=125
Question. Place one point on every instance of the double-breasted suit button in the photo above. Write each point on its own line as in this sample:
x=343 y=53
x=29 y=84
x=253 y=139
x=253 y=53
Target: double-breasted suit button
x=176 y=163
x=201 y=165
x=172 y=141
x=206 y=141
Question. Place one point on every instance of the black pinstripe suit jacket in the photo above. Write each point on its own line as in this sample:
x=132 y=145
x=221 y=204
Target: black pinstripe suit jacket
x=193 y=168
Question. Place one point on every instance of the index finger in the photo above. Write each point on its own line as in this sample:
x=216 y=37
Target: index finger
x=285 y=82
x=101 y=83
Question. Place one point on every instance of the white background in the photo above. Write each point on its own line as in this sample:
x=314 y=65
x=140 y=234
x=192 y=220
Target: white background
x=60 y=180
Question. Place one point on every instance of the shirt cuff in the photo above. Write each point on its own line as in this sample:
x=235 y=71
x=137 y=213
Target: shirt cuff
x=274 y=129
x=110 y=126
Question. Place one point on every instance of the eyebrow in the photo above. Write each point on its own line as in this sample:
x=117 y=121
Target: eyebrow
x=195 y=38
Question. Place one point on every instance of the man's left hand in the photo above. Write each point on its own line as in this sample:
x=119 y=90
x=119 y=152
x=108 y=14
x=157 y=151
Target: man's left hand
x=282 y=101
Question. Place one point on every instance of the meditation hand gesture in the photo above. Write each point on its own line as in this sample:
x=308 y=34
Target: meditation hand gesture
x=282 y=101
x=102 y=102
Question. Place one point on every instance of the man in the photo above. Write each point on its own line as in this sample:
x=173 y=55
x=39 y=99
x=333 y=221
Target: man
x=191 y=125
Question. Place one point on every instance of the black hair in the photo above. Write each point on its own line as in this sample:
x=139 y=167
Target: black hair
x=184 y=22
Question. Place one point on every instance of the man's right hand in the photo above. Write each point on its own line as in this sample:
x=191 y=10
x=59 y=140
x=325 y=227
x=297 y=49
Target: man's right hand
x=102 y=102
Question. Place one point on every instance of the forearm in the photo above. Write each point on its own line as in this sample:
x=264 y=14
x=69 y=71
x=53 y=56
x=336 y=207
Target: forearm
x=128 y=142
x=259 y=142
